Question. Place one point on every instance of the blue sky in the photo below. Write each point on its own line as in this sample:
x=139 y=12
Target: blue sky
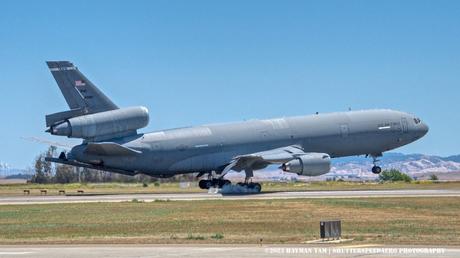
x=193 y=62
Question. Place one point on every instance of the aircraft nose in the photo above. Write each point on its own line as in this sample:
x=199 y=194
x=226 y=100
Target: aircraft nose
x=425 y=128
x=421 y=129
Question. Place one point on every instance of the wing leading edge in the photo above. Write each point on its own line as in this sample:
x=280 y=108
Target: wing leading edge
x=259 y=160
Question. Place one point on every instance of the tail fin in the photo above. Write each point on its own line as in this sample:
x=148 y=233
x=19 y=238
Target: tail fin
x=80 y=93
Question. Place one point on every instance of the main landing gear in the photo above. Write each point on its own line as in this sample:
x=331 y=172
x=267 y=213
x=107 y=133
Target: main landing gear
x=246 y=186
x=214 y=182
x=251 y=186
x=220 y=183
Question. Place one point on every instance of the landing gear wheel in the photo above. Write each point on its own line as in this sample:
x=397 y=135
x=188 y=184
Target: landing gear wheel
x=251 y=186
x=256 y=186
x=376 y=169
x=221 y=183
x=205 y=184
x=218 y=183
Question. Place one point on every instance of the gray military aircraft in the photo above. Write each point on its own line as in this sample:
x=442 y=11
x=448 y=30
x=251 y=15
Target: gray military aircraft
x=302 y=144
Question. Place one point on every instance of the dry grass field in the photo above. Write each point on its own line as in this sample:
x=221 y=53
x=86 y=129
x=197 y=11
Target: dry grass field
x=124 y=188
x=366 y=220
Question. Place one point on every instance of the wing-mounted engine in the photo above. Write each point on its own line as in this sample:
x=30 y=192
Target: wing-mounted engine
x=310 y=164
x=102 y=125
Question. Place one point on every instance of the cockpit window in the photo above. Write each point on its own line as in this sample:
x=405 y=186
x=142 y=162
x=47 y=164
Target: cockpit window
x=417 y=120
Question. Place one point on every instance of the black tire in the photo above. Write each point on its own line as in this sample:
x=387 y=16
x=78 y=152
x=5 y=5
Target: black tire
x=257 y=187
x=204 y=184
x=376 y=170
x=224 y=182
x=214 y=183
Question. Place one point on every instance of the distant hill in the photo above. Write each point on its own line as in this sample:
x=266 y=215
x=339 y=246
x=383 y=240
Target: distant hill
x=6 y=170
x=455 y=158
x=408 y=163
x=19 y=176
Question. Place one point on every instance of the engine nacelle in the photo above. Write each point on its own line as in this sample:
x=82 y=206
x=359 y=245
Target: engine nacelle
x=113 y=122
x=311 y=164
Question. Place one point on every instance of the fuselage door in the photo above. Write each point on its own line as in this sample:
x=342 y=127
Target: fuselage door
x=404 y=125
x=344 y=130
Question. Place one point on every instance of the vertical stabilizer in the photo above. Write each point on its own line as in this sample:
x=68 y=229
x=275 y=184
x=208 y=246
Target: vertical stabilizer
x=79 y=92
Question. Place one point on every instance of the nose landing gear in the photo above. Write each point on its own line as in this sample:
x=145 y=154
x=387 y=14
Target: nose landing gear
x=376 y=169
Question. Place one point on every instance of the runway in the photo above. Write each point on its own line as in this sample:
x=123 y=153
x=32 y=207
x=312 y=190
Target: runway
x=227 y=251
x=215 y=196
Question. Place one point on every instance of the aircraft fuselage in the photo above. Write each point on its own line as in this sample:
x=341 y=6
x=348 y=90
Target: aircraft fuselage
x=210 y=147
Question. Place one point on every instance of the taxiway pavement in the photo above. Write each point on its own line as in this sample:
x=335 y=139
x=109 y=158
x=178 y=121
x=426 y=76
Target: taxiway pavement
x=227 y=251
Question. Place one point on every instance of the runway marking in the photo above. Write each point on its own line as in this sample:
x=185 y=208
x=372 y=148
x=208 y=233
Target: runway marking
x=226 y=251
x=15 y=253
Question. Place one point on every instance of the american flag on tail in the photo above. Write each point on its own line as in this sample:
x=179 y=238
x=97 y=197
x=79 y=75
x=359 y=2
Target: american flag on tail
x=80 y=83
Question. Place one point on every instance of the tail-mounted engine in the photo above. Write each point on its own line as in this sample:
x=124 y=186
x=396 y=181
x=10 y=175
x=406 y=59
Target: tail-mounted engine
x=113 y=123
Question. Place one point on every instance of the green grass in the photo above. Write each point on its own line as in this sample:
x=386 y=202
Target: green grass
x=195 y=237
x=421 y=220
x=217 y=236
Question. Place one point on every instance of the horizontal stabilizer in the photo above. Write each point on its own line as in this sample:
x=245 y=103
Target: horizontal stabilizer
x=110 y=149
x=85 y=165
x=48 y=142
x=55 y=118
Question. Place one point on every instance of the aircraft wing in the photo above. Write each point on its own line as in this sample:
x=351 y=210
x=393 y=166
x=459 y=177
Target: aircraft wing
x=262 y=159
x=109 y=149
